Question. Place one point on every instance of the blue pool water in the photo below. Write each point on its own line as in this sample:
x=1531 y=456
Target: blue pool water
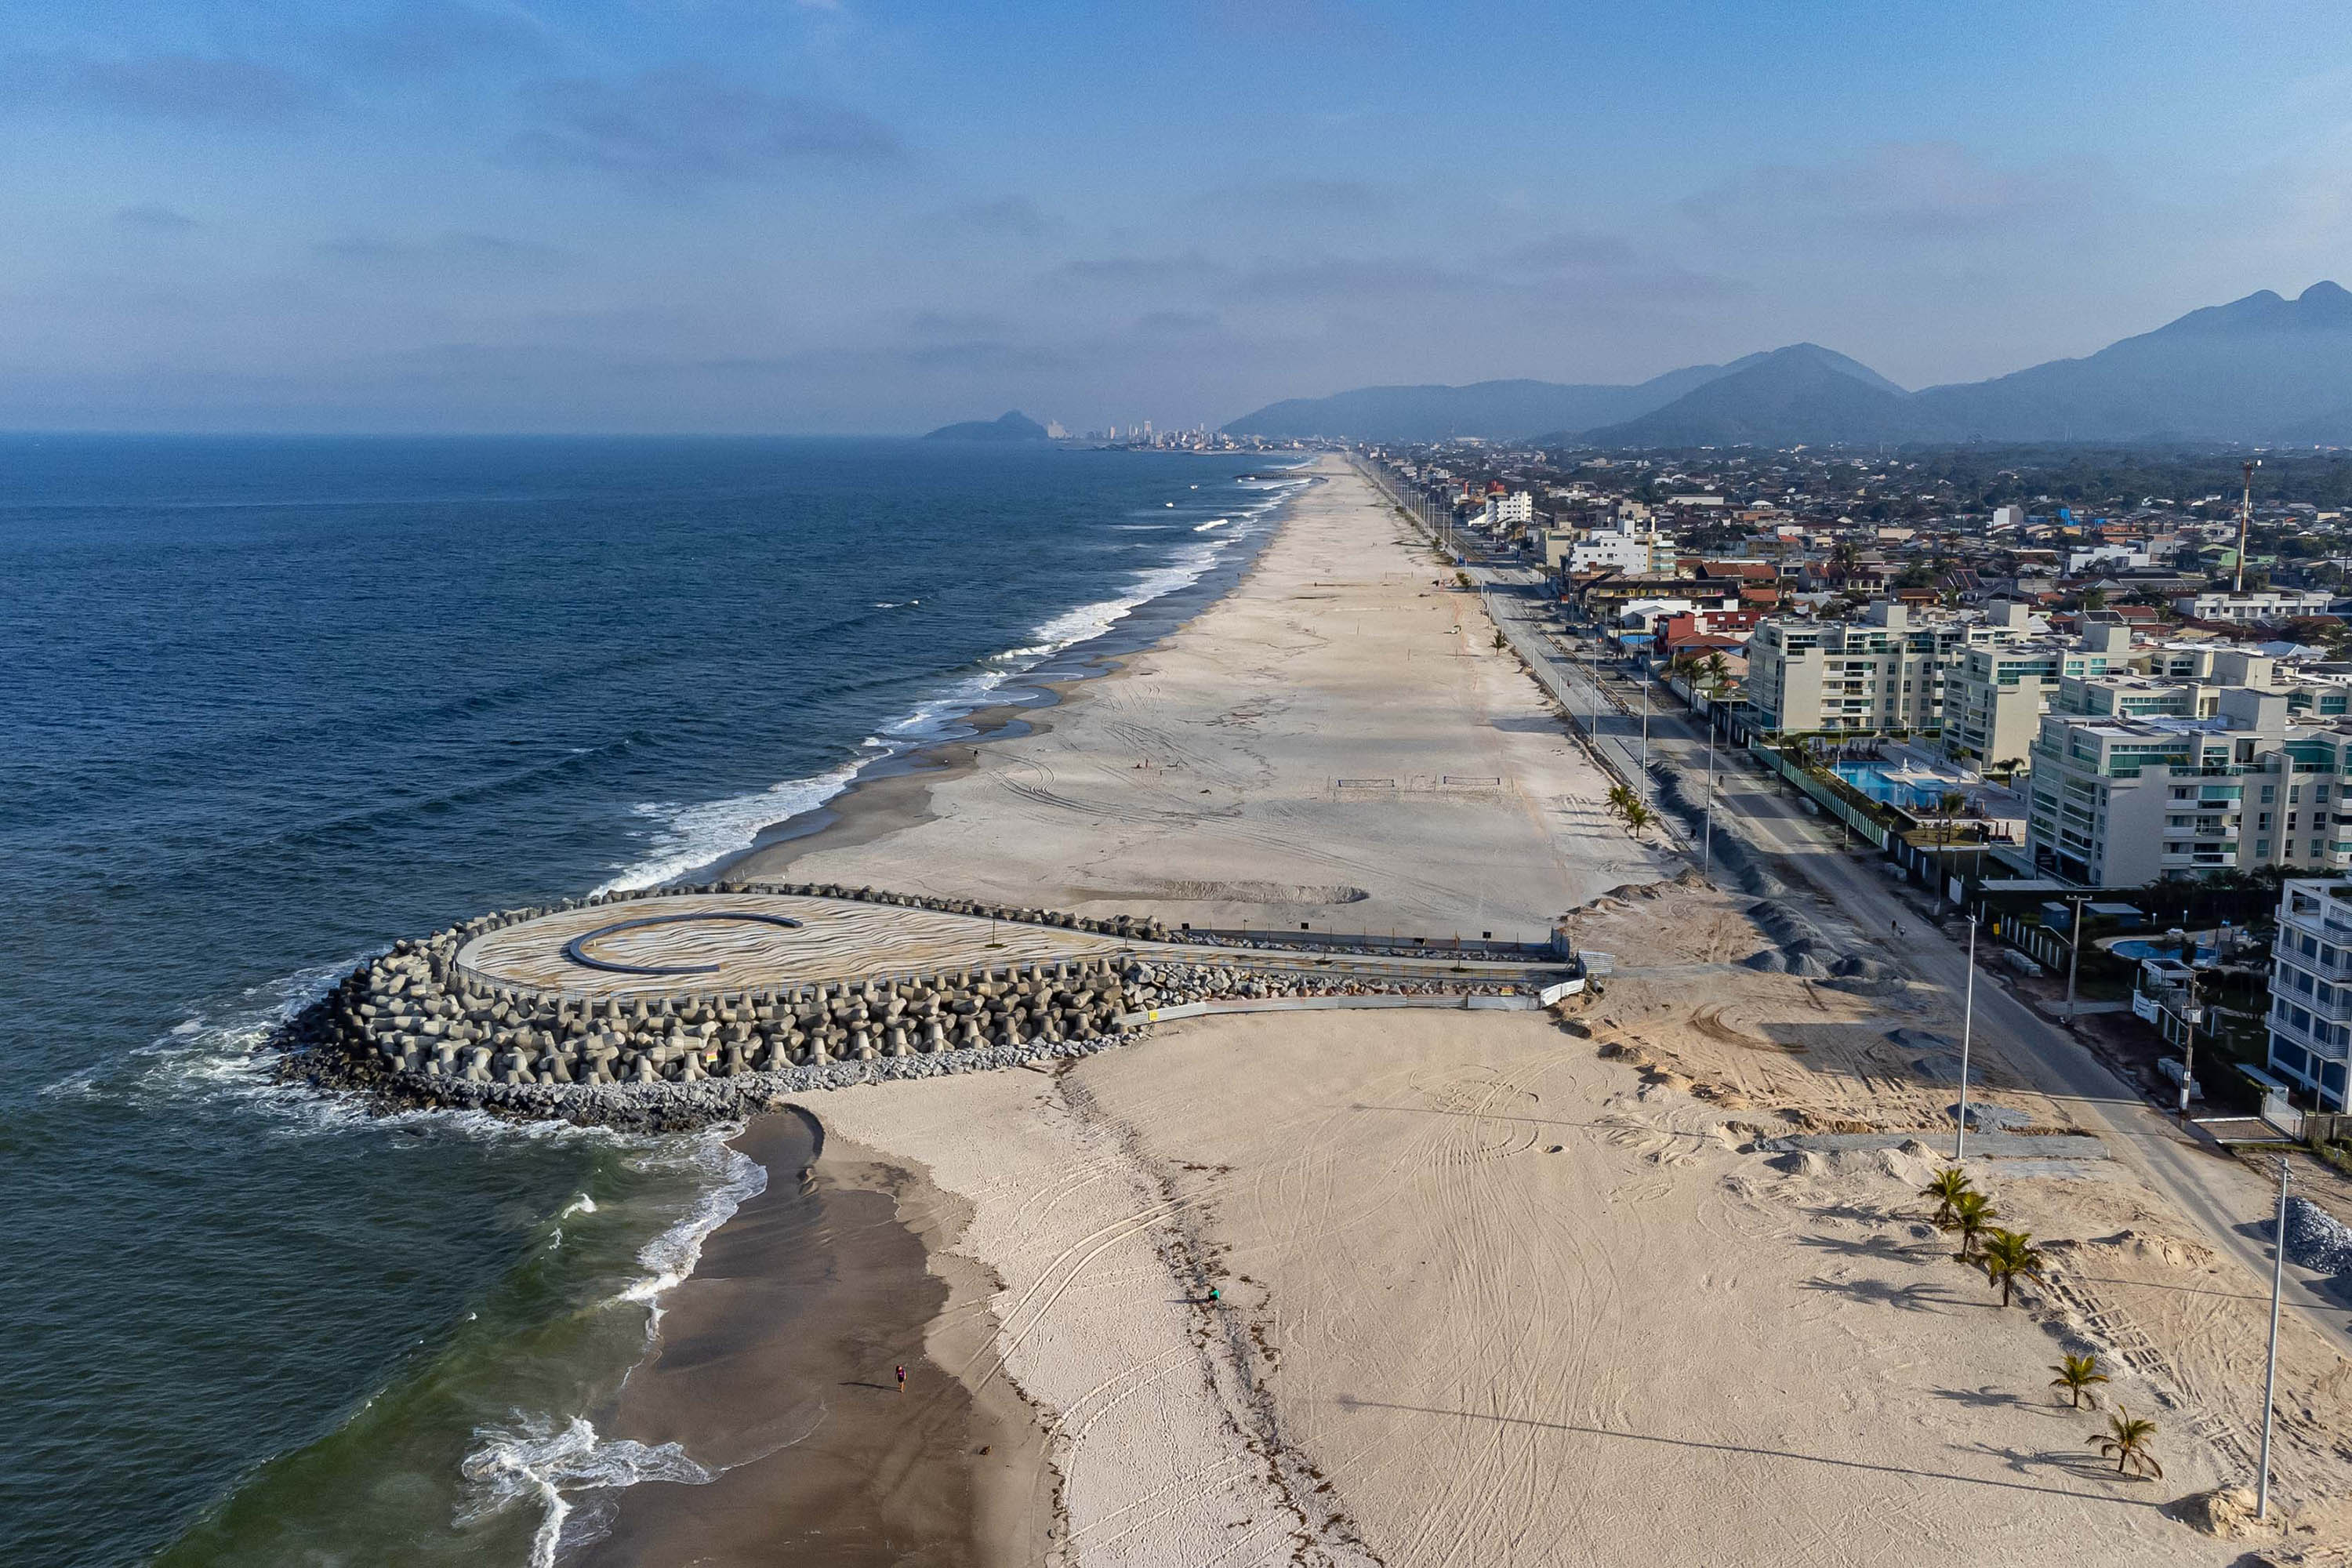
x=1874 y=782
x=2136 y=951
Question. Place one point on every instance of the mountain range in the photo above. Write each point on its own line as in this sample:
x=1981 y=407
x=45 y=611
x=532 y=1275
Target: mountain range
x=2259 y=369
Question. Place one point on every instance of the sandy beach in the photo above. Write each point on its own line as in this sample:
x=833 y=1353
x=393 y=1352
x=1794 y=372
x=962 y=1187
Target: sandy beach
x=1489 y=1288
x=1336 y=742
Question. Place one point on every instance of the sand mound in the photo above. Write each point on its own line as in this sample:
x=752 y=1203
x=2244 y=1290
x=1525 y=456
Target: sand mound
x=2225 y=1511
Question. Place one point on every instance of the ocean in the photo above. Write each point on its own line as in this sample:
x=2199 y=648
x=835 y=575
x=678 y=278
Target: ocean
x=272 y=704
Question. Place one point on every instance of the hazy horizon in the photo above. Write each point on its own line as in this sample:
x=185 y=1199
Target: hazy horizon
x=848 y=218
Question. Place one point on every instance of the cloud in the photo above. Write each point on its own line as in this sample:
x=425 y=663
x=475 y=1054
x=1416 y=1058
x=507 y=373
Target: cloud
x=1176 y=323
x=1016 y=216
x=441 y=37
x=1146 y=271
x=218 y=89
x=154 y=218
x=1358 y=277
x=1909 y=189
x=457 y=250
x=687 y=123
x=1603 y=266
x=1296 y=199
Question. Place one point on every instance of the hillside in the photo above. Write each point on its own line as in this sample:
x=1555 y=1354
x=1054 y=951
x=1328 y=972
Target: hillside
x=1012 y=427
x=2259 y=369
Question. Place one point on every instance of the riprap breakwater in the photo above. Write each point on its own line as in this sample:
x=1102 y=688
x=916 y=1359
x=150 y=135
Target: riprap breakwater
x=682 y=1007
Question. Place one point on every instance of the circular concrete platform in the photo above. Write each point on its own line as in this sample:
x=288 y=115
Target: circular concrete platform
x=703 y=942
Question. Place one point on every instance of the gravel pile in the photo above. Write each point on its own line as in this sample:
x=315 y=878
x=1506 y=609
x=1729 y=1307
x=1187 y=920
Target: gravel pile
x=2316 y=1240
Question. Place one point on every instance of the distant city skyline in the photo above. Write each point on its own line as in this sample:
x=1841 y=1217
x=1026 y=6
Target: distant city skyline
x=436 y=216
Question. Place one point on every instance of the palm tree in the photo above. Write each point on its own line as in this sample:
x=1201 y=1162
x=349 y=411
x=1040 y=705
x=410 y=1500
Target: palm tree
x=1638 y=817
x=2011 y=1256
x=1621 y=799
x=2125 y=1442
x=1947 y=1185
x=1719 y=670
x=2075 y=1375
x=1972 y=1214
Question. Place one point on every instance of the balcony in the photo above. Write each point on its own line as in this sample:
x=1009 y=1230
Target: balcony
x=2339 y=1010
x=2337 y=968
x=2309 y=1039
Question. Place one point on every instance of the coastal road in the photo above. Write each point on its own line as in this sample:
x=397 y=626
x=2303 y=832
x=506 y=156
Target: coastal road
x=2229 y=1203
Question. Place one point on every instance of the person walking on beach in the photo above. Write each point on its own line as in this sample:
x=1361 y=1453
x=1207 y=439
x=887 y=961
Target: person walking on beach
x=902 y=1380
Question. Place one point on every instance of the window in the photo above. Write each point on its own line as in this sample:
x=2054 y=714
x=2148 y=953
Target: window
x=2265 y=821
x=2268 y=791
x=2261 y=845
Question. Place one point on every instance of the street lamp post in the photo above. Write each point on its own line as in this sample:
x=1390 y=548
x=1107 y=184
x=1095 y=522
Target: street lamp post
x=2270 y=1371
x=1707 y=843
x=1645 y=732
x=1968 y=1026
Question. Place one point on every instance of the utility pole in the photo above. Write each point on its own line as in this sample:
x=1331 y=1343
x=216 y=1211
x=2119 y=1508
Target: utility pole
x=1968 y=1027
x=2270 y=1372
x=2075 y=957
x=2191 y=1016
x=2245 y=519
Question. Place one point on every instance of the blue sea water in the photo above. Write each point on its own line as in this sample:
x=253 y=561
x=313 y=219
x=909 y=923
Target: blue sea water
x=270 y=703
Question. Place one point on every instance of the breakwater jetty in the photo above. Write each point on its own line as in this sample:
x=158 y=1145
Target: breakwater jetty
x=676 y=1008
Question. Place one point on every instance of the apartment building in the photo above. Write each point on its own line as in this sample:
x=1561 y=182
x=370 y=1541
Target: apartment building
x=1885 y=672
x=2311 y=989
x=1995 y=696
x=2121 y=801
x=1627 y=544
x=2278 y=604
x=1994 y=702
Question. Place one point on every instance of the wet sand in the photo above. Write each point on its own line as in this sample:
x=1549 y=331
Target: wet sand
x=775 y=1368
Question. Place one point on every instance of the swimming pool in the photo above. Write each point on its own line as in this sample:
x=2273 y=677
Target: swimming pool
x=2136 y=950
x=1874 y=782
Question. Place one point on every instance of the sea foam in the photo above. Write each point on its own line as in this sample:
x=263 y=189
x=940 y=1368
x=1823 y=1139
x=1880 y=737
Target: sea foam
x=534 y=1461
x=690 y=835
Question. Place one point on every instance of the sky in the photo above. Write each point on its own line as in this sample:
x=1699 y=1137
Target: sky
x=866 y=216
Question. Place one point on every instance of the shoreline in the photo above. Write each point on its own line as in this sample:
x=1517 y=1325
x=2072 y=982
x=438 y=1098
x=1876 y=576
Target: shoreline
x=1001 y=1472
x=773 y=1374
x=1161 y=1424
x=892 y=793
